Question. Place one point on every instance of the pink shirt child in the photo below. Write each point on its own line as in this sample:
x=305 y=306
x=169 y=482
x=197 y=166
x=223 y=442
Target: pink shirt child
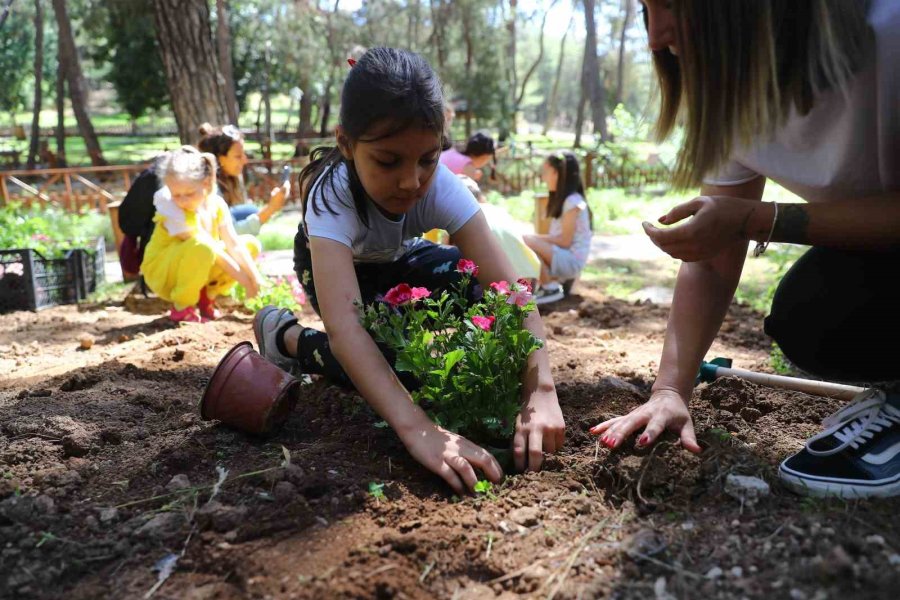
x=455 y=160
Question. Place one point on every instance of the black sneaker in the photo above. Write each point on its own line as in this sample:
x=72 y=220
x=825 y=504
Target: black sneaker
x=857 y=456
x=548 y=294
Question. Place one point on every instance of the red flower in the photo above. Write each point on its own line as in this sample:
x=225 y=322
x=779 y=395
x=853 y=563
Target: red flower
x=524 y=283
x=520 y=298
x=500 y=287
x=399 y=295
x=467 y=267
x=419 y=292
x=483 y=322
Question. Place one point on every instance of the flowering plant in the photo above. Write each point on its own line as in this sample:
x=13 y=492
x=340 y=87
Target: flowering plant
x=283 y=292
x=468 y=358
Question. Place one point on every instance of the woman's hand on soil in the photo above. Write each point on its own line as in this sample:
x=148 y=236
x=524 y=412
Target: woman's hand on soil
x=540 y=428
x=451 y=456
x=718 y=221
x=666 y=409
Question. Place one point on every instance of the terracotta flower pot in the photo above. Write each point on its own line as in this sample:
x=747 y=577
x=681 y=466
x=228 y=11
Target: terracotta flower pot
x=248 y=392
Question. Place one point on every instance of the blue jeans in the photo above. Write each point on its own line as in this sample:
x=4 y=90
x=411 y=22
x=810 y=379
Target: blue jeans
x=242 y=211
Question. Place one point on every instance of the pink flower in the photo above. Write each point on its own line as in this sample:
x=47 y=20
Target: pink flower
x=399 y=295
x=519 y=298
x=467 y=267
x=419 y=292
x=40 y=237
x=483 y=322
x=524 y=284
x=500 y=287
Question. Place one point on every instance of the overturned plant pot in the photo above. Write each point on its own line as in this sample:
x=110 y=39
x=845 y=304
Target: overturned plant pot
x=248 y=392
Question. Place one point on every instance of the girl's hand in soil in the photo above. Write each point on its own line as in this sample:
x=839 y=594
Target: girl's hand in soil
x=666 y=409
x=718 y=221
x=540 y=428
x=451 y=456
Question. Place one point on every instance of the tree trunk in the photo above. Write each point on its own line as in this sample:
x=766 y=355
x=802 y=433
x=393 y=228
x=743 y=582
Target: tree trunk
x=77 y=93
x=512 y=74
x=38 y=81
x=620 y=71
x=185 y=45
x=223 y=46
x=554 y=94
x=470 y=62
x=437 y=32
x=304 y=129
x=5 y=13
x=582 y=100
x=60 y=110
x=595 y=90
x=537 y=61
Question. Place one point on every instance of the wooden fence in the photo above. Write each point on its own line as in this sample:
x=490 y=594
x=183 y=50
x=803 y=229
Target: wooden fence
x=94 y=188
x=517 y=174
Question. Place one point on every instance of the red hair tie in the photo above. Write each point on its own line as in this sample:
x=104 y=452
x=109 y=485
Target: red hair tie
x=351 y=62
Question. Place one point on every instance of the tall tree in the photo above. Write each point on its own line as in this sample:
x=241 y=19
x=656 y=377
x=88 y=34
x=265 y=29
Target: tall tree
x=223 y=48
x=554 y=93
x=71 y=66
x=195 y=84
x=620 y=69
x=3 y=15
x=38 y=83
x=60 y=130
x=593 y=90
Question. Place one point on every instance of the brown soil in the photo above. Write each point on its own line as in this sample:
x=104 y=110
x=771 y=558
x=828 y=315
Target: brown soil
x=84 y=431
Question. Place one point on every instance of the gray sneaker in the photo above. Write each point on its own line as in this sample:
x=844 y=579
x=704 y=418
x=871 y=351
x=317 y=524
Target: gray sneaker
x=266 y=325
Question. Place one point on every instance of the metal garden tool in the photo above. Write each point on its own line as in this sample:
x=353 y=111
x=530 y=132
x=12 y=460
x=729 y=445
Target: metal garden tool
x=721 y=367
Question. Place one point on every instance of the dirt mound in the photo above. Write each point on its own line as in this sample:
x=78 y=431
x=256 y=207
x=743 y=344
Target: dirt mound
x=106 y=468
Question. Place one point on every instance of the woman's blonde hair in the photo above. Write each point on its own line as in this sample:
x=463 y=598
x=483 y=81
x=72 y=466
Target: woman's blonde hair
x=187 y=164
x=743 y=65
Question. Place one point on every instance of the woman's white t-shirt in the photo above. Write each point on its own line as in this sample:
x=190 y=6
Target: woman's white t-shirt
x=447 y=205
x=848 y=146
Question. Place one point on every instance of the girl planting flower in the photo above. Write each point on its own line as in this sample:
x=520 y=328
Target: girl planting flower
x=365 y=204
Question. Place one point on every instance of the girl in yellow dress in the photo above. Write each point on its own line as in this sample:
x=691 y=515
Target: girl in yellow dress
x=194 y=254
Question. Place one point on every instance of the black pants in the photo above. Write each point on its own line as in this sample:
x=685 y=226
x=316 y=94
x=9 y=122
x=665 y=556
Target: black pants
x=834 y=316
x=428 y=265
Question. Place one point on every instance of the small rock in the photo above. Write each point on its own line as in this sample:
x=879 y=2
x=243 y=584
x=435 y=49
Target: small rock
x=646 y=542
x=77 y=444
x=124 y=338
x=750 y=414
x=714 y=573
x=749 y=490
x=70 y=477
x=837 y=563
x=737 y=572
x=875 y=540
x=178 y=355
x=621 y=384
x=161 y=526
x=527 y=516
x=284 y=491
x=178 y=482
x=894 y=559
x=108 y=515
x=295 y=474
x=44 y=505
x=220 y=517
x=582 y=505
x=798 y=594
x=86 y=341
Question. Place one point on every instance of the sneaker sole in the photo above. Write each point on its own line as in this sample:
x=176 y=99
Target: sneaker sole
x=258 y=319
x=820 y=487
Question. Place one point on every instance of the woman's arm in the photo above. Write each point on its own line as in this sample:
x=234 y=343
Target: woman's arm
x=540 y=426
x=703 y=292
x=444 y=453
x=472 y=172
x=277 y=198
x=720 y=220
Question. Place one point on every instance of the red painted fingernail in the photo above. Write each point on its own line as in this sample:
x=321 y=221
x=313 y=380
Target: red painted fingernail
x=644 y=440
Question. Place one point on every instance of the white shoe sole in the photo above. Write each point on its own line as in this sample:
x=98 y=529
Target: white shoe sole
x=278 y=359
x=821 y=487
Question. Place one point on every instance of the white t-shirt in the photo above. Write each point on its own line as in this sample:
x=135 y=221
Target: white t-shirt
x=581 y=241
x=176 y=221
x=848 y=146
x=447 y=205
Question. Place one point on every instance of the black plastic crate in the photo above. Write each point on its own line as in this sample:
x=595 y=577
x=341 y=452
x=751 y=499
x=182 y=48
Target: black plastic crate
x=28 y=281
